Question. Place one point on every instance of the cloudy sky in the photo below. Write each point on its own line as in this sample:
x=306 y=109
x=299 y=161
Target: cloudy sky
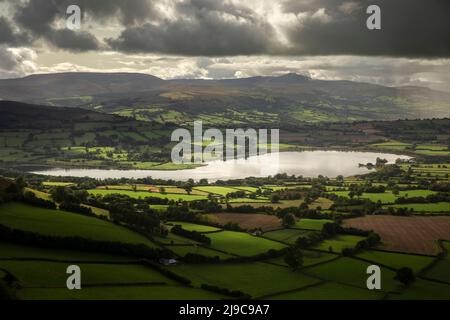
x=325 y=39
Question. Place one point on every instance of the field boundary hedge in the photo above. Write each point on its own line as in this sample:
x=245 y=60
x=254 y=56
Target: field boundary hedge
x=129 y=262
x=270 y=295
x=171 y=275
x=403 y=252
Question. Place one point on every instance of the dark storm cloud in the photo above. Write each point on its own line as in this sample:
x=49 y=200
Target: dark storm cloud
x=9 y=36
x=39 y=16
x=71 y=40
x=210 y=37
x=128 y=12
x=207 y=28
x=410 y=28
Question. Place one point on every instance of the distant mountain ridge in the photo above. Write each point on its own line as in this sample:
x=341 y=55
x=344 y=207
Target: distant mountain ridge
x=70 y=84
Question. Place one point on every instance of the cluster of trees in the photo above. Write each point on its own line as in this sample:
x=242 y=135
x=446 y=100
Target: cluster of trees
x=330 y=230
x=207 y=206
x=30 y=198
x=359 y=189
x=62 y=194
x=289 y=194
x=200 y=259
x=405 y=275
x=309 y=240
x=440 y=187
x=11 y=190
x=226 y=292
x=385 y=172
x=76 y=208
x=236 y=194
x=294 y=258
x=432 y=198
x=372 y=240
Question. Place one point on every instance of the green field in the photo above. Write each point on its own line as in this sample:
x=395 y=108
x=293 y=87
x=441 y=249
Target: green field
x=262 y=200
x=423 y=290
x=310 y=257
x=143 y=194
x=241 y=243
x=330 y=291
x=257 y=279
x=183 y=250
x=159 y=207
x=129 y=292
x=222 y=191
x=387 y=197
x=13 y=251
x=339 y=243
x=425 y=207
x=195 y=227
x=173 y=239
x=311 y=224
x=65 y=224
x=440 y=271
x=433 y=152
x=397 y=260
x=45 y=274
x=246 y=188
x=288 y=236
x=391 y=145
x=40 y=194
x=56 y=184
x=351 y=272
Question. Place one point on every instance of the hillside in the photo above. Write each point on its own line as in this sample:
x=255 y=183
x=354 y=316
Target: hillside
x=287 y=99
x=73 y=136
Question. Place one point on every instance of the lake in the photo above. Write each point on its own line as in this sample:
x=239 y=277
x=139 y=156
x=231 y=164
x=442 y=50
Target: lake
x=305 y=163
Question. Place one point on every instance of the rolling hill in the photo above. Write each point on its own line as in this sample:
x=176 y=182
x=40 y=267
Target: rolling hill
x=284 y=100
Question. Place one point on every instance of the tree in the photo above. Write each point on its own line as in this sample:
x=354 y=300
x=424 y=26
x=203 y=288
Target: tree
x=20 y=183
x=187 y=187
x=294 y=258
x=359 y=193
x=275 y=198
x=395 y=191
x=288 y=220
x=405 y=275
x=330 y=229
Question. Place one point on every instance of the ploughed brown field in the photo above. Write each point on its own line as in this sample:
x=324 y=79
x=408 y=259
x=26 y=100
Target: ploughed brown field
x=248 y=221
x=406 y=234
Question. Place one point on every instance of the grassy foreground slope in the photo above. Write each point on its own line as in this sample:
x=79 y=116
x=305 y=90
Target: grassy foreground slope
x=65 y=224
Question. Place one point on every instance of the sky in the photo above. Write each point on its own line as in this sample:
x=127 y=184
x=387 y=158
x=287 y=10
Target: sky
x=213 y=39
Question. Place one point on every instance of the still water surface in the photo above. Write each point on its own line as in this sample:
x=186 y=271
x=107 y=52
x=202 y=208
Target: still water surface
x=305 y=163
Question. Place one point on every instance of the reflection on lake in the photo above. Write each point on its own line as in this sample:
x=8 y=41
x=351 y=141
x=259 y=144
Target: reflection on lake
x=306 y=163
